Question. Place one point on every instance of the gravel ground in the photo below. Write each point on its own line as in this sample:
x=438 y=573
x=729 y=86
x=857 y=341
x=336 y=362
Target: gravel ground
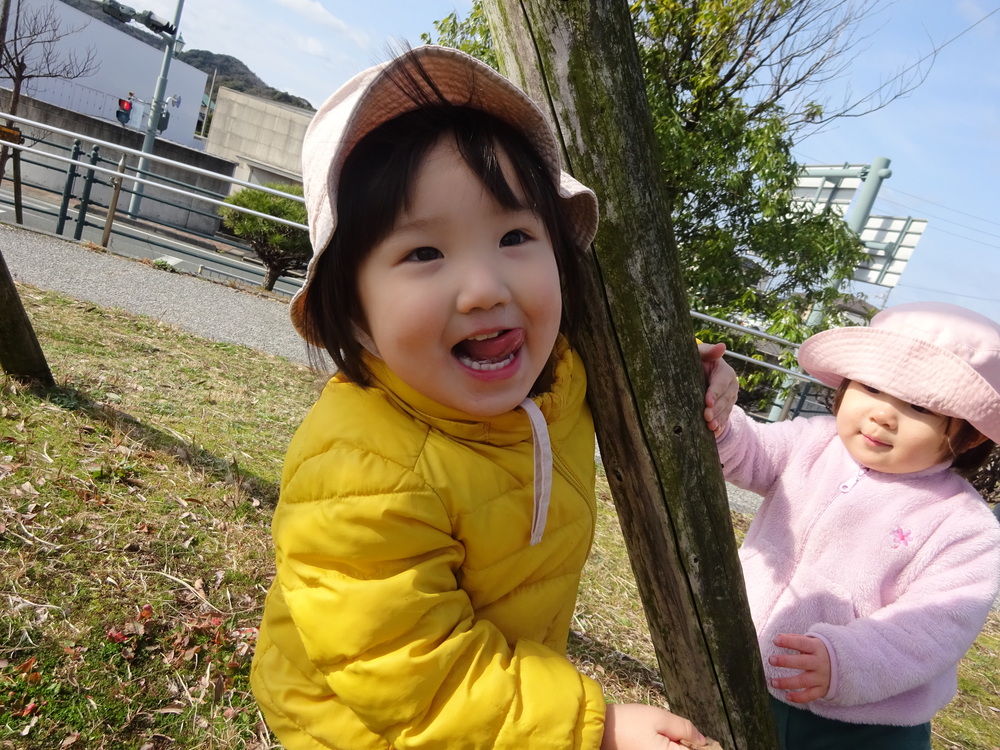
x=215 y=311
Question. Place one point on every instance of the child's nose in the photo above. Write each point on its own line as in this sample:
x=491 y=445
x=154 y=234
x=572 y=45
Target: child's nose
x=884 y=415
x=482 y=287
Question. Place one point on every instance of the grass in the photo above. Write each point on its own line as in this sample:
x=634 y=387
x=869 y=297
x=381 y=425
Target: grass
x=135 y=500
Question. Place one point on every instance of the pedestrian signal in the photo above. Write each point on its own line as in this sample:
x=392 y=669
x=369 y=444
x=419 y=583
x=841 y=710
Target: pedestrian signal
x=124 y=113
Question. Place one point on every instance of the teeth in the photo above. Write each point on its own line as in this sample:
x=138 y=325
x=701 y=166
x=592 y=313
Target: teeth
x=485 y=336
x=486 y=366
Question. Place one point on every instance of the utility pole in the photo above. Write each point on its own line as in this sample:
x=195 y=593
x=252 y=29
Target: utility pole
x=872 y=176
x=208 y=107
x=155 y=112
x=169 y=32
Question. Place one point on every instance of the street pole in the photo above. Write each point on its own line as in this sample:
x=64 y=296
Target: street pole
x=872 y=177
x=155 y=111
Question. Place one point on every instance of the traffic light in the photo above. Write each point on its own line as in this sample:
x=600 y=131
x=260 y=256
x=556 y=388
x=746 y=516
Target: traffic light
x=124 y=113
x=154 y=23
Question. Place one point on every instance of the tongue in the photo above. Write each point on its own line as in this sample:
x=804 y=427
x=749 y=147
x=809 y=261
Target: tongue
x=495 y=349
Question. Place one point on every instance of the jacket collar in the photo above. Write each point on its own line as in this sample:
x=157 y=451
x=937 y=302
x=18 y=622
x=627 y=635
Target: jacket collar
x=505 y=429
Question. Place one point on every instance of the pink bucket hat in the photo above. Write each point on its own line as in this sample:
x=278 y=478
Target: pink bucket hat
x=939 y=356
x=374 y=96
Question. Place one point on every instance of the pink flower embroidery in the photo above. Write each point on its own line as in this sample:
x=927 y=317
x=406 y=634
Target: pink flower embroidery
x=900 y=537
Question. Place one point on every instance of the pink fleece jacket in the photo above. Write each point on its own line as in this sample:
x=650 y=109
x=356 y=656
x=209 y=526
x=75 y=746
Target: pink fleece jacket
x=895 y=573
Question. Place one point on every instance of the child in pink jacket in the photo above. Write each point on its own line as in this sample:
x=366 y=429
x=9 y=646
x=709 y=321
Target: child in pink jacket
x=872 y=565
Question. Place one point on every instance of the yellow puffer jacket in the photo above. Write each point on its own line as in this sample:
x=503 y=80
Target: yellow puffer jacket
x=409 y=608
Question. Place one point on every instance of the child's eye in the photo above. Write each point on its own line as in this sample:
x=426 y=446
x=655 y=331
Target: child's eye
x=922 y=410
x=424 y=254
x=870 y=389
x=514 y=237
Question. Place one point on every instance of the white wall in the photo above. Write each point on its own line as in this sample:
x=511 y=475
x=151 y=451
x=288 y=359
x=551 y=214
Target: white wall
x=124 y=64
x=263 y=137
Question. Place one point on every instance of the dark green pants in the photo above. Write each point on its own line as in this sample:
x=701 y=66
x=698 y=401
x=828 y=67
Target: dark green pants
x=803 y=730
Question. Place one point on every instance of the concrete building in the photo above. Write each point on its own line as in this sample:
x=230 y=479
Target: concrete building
x=263 y=137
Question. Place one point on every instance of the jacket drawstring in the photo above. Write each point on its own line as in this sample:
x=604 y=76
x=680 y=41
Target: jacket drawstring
x=542 y=468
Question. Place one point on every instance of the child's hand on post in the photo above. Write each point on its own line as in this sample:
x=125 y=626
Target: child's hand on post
x=813 y=682
x=723 y=386
x=635 y=726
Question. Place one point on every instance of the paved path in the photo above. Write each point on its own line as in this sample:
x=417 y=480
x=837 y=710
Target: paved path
x=215 y=311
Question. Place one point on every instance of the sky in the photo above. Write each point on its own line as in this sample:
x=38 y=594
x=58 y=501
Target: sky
x=941 y=138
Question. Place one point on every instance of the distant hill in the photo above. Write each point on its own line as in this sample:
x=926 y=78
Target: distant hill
x=229 y=71
x=234 y=74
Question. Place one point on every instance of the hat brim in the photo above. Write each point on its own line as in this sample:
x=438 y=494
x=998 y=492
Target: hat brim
x=910 y=369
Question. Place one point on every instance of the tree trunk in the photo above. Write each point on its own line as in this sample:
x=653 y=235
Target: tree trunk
x=15 y=100
x=21 y=355
x=578 y=59
x=271 y=276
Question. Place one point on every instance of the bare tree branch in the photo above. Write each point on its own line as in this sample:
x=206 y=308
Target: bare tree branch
x=773 y=54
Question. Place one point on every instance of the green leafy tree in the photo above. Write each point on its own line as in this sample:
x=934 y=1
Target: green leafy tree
x=731 y=85
x=471 y=35
x=728 y=84
x=281 y=248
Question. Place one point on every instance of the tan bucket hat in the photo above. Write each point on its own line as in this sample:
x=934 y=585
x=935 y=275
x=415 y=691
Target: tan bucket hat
x=374 y=96
x=939 y=356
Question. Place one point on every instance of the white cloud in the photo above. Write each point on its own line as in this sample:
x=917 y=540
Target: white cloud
x=314 y=12
x=311 y=46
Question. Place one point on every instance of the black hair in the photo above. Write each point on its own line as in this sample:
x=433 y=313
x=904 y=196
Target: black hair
x=968 y=447
x=376 y=184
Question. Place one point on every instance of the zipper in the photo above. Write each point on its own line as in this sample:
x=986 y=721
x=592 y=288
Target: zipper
x=560 y=467
x=849 y=484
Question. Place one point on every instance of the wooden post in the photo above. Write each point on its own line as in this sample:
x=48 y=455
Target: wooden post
x=21 y=355
x=578 y=59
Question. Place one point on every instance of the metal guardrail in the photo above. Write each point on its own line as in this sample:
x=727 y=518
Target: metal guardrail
x=160 y=185
x=145 y=233
x=798 y=375
x=119 y=176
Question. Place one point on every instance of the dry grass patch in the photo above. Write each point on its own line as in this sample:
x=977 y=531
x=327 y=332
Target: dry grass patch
x=135 y=501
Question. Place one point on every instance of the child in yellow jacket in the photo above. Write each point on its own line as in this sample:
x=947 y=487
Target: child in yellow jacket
x=437 y=503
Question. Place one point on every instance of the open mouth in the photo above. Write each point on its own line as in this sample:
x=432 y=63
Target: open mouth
x=490 y=351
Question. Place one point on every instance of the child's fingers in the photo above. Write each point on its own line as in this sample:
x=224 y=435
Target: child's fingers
x=801 y=688
x=678 y=728
x=800 y=681
x=723 y=386
x=805 y=696
x=711 y=352
x=805 y=644
x=792 y=661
